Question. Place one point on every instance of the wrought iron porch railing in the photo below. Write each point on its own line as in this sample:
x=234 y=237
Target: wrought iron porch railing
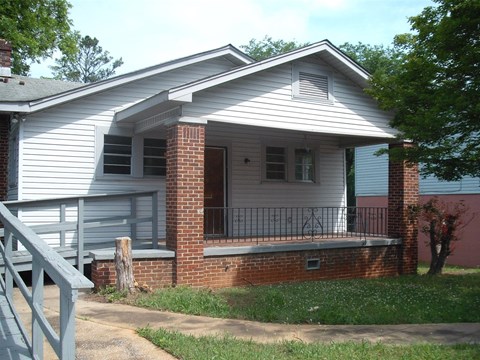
x=293 y=223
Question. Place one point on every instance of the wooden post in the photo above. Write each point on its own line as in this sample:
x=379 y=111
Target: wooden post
x=123 y=265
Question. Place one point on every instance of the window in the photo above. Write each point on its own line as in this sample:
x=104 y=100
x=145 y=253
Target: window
x=304 y=165
x=275 y=163
x=117 y=154
x=154 y=161
x=312 y=83
x=291 y=163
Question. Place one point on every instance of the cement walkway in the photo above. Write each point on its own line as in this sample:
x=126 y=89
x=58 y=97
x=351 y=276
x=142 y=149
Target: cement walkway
x=110 y=329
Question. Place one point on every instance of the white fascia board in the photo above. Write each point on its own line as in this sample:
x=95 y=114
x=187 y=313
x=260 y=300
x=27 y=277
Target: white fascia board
x=15 y=107
x=267 y=64
x=91 y=89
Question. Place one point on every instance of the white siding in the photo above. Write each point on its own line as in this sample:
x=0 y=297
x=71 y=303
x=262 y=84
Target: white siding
x=371 y=177
x=265 y=99
x=58 y=149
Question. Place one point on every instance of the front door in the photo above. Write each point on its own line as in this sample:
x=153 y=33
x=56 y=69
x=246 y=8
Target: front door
x=215 y=190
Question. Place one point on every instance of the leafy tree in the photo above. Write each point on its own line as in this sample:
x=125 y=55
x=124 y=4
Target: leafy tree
x=374 y=58
x=435 y=91
x=263 y=49
x=35 y=28
x=89 y=64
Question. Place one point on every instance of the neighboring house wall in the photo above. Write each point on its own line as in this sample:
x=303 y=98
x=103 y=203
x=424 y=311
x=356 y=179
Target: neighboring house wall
x=371 y=187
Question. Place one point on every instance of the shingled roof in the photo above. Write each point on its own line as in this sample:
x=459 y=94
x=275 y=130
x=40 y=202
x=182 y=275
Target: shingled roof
x=22 y=88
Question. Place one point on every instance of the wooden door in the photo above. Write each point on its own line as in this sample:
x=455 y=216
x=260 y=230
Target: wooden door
x=215 y=191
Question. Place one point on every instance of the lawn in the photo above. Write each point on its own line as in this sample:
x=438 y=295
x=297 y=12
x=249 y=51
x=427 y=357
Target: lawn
x=399 y=300
x=207 y=347
x=452 y=297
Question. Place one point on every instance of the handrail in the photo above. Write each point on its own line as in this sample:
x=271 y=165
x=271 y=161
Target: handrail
x=80 y=224
x=65 y=276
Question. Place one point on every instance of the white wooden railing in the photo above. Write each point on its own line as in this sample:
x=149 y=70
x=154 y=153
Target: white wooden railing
x=44 y=260
x=77 y=206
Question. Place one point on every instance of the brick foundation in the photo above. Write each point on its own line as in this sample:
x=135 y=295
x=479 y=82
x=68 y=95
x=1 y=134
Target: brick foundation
x=403 y=193
x=260 y=269
x=156 y=273
x=265 y=268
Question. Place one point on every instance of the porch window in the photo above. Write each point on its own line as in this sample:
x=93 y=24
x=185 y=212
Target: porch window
x=275 y=163
x=154 y=161
x=304 y=165
x=117 y=154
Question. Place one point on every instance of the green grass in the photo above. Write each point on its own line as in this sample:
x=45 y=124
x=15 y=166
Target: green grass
x=207 y=347
x=398 y=300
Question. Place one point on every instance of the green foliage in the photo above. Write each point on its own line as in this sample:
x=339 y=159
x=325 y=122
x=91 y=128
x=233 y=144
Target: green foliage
x=263 y=49
x=35 y=28
x=399 y=300
x=435 y=92
x=374 y=58
x=89 y=64
x=209 y=347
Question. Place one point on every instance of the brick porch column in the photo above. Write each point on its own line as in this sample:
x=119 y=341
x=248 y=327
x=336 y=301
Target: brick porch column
x=403 y=192
x=184 y=201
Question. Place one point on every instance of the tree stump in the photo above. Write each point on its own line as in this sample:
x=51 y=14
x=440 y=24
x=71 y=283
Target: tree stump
x=123 y=265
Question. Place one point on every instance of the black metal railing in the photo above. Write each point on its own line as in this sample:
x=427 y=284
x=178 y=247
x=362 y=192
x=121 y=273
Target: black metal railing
x=293 y=224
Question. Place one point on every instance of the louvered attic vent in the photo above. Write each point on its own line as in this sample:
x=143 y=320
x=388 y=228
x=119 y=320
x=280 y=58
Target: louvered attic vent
x=313 y=85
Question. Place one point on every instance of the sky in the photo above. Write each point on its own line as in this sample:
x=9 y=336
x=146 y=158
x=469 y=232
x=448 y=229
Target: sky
x=148 y=32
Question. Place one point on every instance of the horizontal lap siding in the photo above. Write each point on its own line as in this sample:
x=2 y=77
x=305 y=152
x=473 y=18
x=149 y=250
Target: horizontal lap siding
x=58 y=151
x=265 y=99
x=371 y=177
x=371 y=172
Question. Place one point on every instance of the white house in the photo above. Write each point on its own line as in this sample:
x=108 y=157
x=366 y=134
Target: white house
x=211 y=130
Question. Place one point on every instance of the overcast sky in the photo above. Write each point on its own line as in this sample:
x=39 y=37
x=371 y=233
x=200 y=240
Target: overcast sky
x=149 y=32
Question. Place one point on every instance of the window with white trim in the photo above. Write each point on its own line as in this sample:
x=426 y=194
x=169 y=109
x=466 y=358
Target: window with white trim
x=122 y=154
x=154 y=160
x=312 y=83
x=275 y=163
x=290 y=163
x=117 y=154
x=304 y=165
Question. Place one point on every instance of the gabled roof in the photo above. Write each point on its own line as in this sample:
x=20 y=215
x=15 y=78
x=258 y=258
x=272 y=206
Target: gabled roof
x=20 y=101
x=176 y=96
x=329 y=53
